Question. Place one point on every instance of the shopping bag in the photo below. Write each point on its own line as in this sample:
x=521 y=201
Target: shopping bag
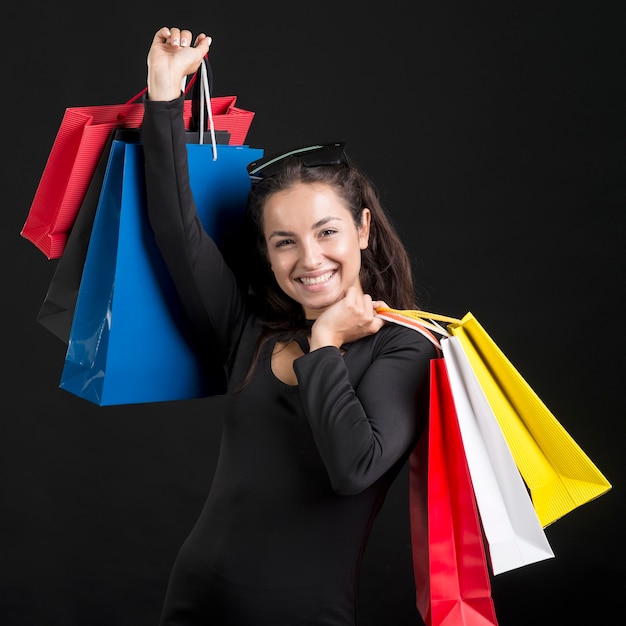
x=451 y=576
x=130 y=341
x=78 y=145
x=512 y=529
x=558 y=473
x=57 y=309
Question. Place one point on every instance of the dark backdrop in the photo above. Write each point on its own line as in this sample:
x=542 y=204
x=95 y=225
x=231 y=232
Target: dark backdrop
x=495 y=131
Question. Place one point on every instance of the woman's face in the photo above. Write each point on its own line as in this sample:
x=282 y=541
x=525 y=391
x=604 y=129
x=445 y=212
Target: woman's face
x=313 y=245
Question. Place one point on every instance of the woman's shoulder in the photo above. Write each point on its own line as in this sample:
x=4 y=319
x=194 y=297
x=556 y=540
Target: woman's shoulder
x=394 y=337
x=394 y=340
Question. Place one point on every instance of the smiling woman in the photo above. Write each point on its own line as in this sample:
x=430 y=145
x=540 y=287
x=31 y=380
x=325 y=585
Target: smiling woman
x=325 y=400
x=315 y=251
x=489 y=128
x=332 y=203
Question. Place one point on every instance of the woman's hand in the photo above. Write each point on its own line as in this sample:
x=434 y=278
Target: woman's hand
x=172 y=57
x=349 y=319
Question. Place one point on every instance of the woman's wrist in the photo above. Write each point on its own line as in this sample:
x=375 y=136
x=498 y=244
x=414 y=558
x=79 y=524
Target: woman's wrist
x=162 y=87
x=320 y=339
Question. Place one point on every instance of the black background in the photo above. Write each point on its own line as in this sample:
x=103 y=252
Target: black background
x=495 y=131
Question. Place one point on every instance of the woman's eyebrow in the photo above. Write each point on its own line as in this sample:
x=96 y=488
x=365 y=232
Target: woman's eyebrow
x=318 y=224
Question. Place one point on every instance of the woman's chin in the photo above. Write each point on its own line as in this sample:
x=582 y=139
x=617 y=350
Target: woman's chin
x=315 y=306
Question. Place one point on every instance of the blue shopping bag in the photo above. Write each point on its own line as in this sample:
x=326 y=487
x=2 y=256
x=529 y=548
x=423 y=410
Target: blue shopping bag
x=130 y=342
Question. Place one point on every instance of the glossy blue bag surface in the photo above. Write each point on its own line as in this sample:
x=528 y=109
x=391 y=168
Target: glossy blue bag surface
x=128 y=343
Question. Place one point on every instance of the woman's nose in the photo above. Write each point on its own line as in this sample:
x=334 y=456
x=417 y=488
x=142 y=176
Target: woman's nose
x=311 y=255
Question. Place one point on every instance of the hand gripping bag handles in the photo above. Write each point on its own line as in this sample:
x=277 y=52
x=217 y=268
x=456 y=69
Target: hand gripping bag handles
x=128 y=343
x=451 y=576
x=76 y=150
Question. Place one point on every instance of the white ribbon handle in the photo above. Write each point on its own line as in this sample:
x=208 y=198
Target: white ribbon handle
x=205 y=96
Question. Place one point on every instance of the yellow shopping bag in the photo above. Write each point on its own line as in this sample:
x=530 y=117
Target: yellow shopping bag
x=557 y=472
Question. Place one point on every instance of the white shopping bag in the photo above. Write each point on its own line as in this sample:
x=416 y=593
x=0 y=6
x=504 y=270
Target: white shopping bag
x=512 y=529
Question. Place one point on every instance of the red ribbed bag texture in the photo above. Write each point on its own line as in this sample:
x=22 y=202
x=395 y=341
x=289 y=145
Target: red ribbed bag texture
x=452 y=581
x=77 y=147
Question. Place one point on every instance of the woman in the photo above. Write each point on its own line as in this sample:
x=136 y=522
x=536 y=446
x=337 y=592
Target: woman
x=326 y=401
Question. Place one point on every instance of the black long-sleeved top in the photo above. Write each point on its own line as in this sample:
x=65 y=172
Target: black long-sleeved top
x=302 y=470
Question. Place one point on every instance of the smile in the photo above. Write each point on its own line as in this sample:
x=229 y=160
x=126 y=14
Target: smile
x=317 y=280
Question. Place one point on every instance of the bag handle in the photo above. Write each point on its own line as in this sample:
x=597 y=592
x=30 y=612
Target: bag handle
x=422 y=321
x=205 y=107
x=195 y=124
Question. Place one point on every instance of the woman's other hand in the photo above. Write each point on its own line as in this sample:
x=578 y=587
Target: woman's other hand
x=349 y=319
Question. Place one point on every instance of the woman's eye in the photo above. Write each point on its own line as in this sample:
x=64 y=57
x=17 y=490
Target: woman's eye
x=327 y=232
x=283 y=242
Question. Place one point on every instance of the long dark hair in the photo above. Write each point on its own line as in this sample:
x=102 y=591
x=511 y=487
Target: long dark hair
x=385 y=265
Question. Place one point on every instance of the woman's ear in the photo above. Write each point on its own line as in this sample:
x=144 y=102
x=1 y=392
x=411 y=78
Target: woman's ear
x=364 y=230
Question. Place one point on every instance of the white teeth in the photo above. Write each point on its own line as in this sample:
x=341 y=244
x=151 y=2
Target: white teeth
x=317 y=280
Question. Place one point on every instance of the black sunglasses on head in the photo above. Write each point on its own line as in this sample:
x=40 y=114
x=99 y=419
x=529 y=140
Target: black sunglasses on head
x=311 y=156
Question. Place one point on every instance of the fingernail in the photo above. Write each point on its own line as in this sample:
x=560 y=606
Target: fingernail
x=183 y=41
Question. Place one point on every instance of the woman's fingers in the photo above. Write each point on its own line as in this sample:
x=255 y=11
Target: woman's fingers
x=161 y=36
x=181 y=38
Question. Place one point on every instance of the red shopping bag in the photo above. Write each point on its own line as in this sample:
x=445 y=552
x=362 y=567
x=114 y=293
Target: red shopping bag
x=451 y=577
x=79 y=143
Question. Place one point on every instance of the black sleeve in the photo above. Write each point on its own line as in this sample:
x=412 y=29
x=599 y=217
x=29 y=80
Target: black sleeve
x=362 y=432
x=207 y=287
